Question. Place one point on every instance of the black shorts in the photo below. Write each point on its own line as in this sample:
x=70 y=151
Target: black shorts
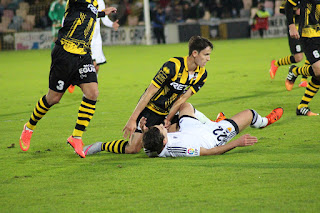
x=67 y=68
x=295 y=45
x=153 y=119
x=311 y=47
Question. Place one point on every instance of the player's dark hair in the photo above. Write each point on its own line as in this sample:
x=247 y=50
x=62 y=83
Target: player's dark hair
x=153 y=140
x=198 y=43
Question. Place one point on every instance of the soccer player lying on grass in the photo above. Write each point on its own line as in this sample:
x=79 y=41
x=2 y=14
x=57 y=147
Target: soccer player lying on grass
x=195 y=138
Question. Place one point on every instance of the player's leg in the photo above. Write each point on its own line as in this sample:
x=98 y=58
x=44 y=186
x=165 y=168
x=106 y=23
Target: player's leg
x=96 y=66
x=85 y=114
x=251 y=117
x=304 y=79
x=40 y=110
x=134 y=144
x=57 y=87
x=85 y=76
x=295 y=57
x=311 y=47
x=311 y=90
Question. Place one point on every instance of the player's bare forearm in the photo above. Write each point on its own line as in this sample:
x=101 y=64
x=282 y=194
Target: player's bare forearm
x=176 y=106
x=218 y=150
x=244 y=140
x=144 y=100
x=130 y=126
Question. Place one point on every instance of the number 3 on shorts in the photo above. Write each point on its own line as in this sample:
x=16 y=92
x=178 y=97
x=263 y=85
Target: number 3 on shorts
x=60 y=85
x=316 y=53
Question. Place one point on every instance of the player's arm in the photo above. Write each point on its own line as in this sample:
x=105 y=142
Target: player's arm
x=107 y=22
x=106 y=12
x=183 y=98
x=176 y=106
x=131 y=126
x=244 y=140
x=289 y=15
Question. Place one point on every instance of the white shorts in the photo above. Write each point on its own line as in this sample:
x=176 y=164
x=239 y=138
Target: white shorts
x=219 y=132
x=97 y=53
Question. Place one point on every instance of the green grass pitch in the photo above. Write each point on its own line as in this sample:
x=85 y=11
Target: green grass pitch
x=281 y=173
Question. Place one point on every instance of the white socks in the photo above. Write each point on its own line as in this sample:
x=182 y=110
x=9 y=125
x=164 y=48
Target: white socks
x=201 y=117
x=258 y=121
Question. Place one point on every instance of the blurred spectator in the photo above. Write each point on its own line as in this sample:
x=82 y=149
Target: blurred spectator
x=196 y=11
x=42 y=20
x=260 y=21
x=56 y=14
x=269 y=6
x=176 y=14
x=123 y=11
x=186 y=7
x=237 y=5
x=158 y=22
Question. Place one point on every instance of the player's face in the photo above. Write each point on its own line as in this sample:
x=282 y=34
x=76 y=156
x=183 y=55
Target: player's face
x=203 y=57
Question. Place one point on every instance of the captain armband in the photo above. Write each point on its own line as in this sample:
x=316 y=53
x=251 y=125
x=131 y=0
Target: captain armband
x=101 y=14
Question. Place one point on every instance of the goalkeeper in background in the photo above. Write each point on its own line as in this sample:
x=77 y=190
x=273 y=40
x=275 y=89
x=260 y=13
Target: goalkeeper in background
x=56 y=13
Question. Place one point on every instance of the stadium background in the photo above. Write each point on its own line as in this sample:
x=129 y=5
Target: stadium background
x=279 y=174
x=25 y=24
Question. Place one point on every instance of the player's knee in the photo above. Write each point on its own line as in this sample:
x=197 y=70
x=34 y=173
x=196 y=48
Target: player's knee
x=185 y=106
x=93 y=95
x=298 y=57
x=52 y=100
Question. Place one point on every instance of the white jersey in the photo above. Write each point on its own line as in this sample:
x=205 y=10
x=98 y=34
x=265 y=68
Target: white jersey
x=96 y=43
x=193 y=134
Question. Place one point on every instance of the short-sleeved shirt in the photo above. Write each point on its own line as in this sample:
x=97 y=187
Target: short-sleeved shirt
x=173 y=80
x=193 y=134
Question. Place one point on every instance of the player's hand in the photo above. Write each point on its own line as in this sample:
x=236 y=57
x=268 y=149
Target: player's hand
x=167 y=123
x=129 y=128
x=109 y=10
x=115 y=25
x=293 y=31
x=143 y=122
x=247 y=140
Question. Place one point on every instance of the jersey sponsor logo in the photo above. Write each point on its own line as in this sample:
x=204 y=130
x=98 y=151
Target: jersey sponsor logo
x=93 y=9
x=178 y=86
x=86 y=69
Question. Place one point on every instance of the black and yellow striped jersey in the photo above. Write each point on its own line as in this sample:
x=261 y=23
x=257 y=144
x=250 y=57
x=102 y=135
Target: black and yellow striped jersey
x=173 y=79
x=78 y=26
x=295 y=16
x=311 y=26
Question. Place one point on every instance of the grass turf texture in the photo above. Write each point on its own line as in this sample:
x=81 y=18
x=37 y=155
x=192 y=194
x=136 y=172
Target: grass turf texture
x=279 y=174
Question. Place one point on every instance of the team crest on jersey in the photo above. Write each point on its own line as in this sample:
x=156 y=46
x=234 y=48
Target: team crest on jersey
x=195 y=76
x=229 y=129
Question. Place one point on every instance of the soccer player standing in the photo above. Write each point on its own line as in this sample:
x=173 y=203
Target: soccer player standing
x=295 y=48
x=71 y=64
x=309 y=36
